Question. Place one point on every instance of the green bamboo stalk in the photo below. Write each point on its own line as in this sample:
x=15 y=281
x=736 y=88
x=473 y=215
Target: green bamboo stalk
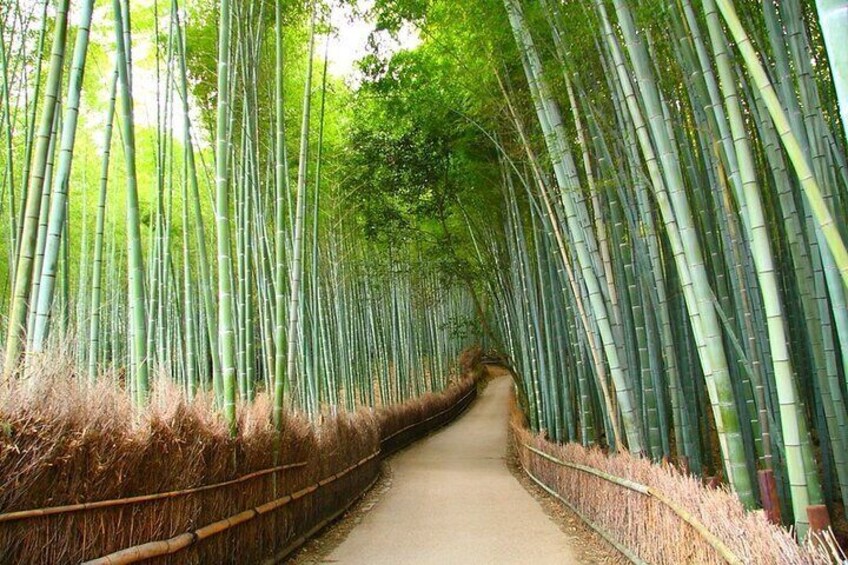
x=24 y=264
x=58 y=199
x=796 y=154
x=135 y=266
x=551 y=123
x=226 y=306
x=676 y=212
x=206 y=284
x=764 y=262
x=97 y=266
x=294 y=349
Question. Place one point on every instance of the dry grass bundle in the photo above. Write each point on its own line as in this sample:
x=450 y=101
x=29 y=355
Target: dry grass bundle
x=470 y=360
x=62 y=443
x=406 y=422
x=644 y=525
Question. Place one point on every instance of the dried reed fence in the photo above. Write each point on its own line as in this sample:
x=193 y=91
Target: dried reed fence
x=175 y=487
x=656 y=514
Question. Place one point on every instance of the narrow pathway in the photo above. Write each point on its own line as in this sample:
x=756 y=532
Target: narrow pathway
x=453 y=500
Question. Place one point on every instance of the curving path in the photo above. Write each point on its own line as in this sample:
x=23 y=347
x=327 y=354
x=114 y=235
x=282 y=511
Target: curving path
x=453 y=500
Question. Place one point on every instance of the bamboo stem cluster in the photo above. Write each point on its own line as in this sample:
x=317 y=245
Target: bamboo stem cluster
x=306 y=308
x=698 y=257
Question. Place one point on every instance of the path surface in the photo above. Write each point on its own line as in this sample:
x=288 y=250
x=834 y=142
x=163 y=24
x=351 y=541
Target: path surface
x=453 y=500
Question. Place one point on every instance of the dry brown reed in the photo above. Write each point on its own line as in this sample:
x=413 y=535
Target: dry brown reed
x=62 y=443
x=644 y=525
x=401 y=424
x=471 y=361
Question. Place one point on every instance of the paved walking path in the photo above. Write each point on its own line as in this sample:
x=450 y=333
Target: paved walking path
x=453 y=500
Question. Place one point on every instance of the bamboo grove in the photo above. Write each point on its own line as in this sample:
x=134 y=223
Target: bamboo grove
x=641 y=203
x=205 y=246
x=677 y=284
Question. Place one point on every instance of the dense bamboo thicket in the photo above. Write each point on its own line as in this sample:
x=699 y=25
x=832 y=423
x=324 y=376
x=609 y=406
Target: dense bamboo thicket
x=677 y=285
x=176 y=218
x=196 y=315
x=668 y=254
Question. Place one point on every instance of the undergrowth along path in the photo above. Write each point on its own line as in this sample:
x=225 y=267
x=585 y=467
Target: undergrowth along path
x=453 y=500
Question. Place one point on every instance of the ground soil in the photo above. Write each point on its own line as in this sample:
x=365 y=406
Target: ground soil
x=458 y=496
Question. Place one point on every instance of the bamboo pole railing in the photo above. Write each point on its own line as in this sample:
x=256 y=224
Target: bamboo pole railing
x=182 y=541
x=718 y=545
x=172 y=545
x=461 y=404
x=632 y=557
x=296 y=544
x=100 y=504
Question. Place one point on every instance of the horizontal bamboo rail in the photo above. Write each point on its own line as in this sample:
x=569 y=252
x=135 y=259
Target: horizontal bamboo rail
x=719 y=546
x=296 y=544
x=628 y=484
x=99 y=504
